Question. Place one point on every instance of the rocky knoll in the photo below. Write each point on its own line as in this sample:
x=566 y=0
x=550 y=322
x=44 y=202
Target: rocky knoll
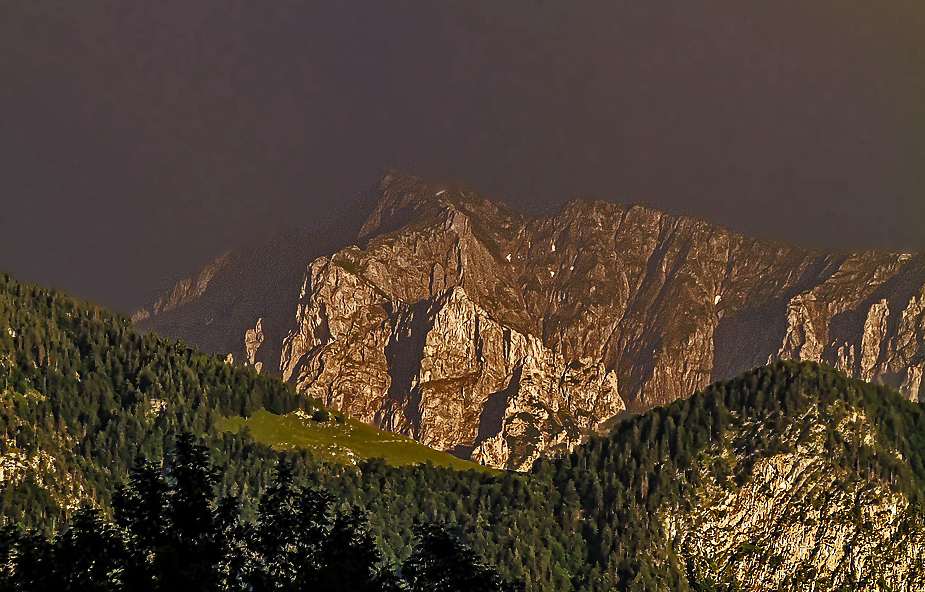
x=791 y=498
x=501 y=336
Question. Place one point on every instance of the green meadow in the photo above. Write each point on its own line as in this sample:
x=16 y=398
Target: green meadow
x=340 y=439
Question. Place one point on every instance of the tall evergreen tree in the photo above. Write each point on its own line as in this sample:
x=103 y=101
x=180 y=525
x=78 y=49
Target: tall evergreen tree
x=195 y=549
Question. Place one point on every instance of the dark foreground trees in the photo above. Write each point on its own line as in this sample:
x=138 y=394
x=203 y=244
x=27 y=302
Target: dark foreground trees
x=172 y=534
x=441 y=563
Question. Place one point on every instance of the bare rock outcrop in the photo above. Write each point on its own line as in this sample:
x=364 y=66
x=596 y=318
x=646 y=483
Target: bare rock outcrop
x=253 y=339
x=801 y=522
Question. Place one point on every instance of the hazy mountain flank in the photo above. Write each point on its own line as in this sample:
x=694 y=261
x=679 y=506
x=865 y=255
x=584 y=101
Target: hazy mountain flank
x=501 y=337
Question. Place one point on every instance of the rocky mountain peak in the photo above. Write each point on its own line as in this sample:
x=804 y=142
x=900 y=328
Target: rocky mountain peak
x=401 y=199
x=463 y=323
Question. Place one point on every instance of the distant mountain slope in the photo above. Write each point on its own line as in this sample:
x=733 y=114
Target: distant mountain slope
x=500 y=337
x=207 y=310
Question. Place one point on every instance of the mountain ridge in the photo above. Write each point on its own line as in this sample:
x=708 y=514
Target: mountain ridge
x=660 y=303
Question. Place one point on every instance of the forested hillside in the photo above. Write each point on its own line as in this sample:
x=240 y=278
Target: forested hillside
x=82 y=393
x=787 y=475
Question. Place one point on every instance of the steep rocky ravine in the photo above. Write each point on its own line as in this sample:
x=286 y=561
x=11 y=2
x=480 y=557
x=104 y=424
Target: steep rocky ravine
x=500 y=336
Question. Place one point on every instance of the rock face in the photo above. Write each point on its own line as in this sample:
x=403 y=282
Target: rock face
x=801 y=522
x=441 y=370
x=500 y=337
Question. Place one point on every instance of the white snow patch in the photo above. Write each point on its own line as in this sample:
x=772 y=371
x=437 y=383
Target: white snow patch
x=552 y=274
x=717 y=299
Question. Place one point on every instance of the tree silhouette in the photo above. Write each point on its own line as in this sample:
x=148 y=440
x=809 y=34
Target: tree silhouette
x=195 y=549
x=301 y=543
x=139 y=509
x=350 y=556
x=441 y=563
x=88 y=556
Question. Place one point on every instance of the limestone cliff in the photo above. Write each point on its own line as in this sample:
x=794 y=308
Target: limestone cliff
x=440 y=369
x=501 y=336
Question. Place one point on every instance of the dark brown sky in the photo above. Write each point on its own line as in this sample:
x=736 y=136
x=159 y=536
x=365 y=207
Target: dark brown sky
x=141 y=139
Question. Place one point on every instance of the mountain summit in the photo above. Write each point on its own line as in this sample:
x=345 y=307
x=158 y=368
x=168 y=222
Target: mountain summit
x=434 y=312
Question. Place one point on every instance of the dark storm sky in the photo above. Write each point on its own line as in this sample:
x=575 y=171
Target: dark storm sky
x=141 y=139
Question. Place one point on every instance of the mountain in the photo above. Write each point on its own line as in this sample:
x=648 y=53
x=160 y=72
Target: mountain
x=500 y=336
x=789 y=476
